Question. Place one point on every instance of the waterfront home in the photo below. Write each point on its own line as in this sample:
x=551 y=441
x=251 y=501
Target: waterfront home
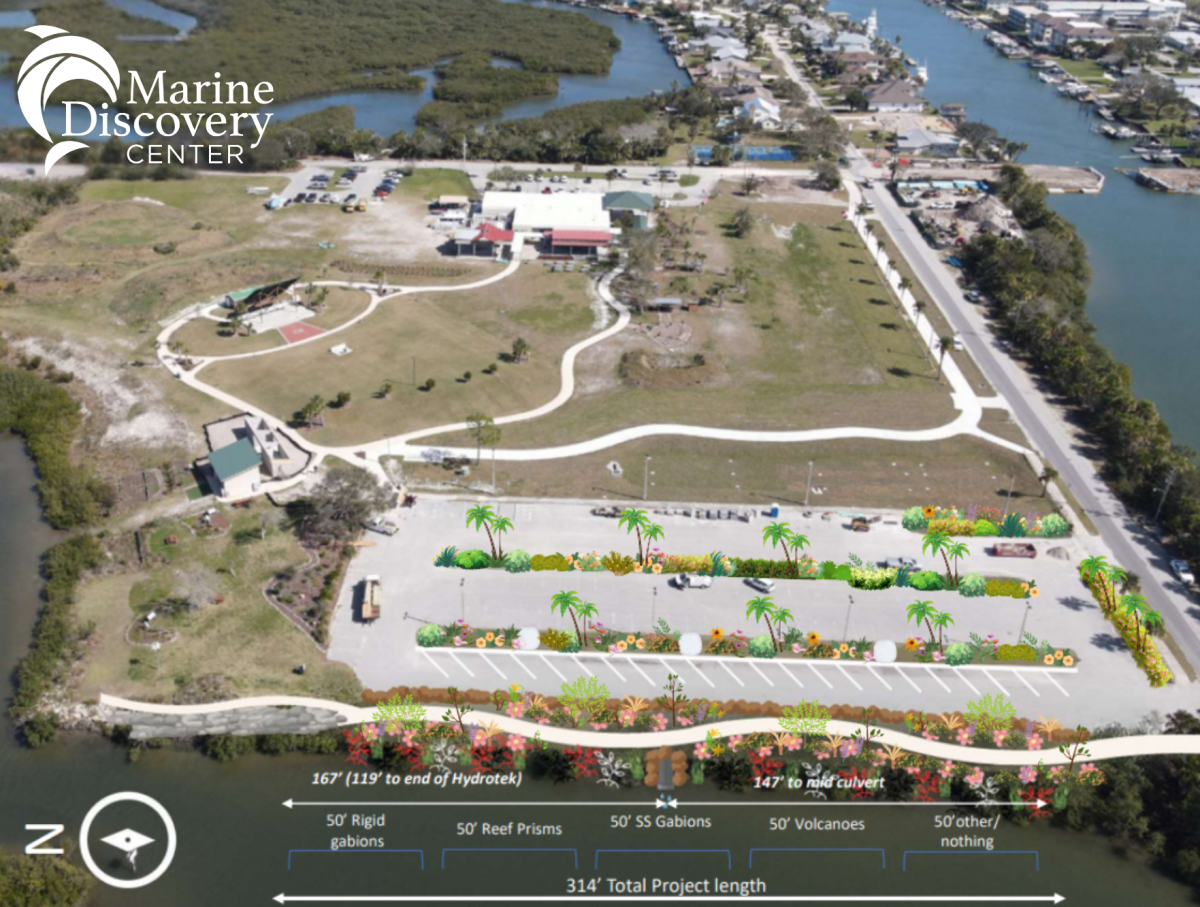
x=762 y=113
x=701 y=20
x=1066 y=32
x=926 y=141
x=847 y=42
x=894 y=96
x=862 y=61
x=990 y=215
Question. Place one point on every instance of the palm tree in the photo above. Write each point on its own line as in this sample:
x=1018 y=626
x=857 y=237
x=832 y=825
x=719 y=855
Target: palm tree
x=1097 y=564
x=906 y=284
x=1135 y=606
x=781 y=534
x=1150 y=619
x=956 y=550
x=863 y=209
x=782 y=616
x=933 y=542
x=919 y=307
x=923 y=611
x=944 y=344
x=652 y=533
x=501 y=525
x=481 y=515
x=941 y=620
x=634 y=520
x=570 y=603
x=520 y=349
x=1049 y=474
x=761 y=608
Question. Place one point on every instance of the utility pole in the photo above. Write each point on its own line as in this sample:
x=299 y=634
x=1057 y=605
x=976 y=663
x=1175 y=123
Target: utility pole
x=646 y=479
x=464 y=146
x=1166 y=489
x=462 y=598
x=1008 y=500
x=1021 y=632
x=808 y=484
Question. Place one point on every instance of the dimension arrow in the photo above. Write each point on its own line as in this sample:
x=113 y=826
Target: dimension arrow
x=611 y=804
x=710 y=898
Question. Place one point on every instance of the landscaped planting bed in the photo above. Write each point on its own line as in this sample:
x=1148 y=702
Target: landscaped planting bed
x=978 y=521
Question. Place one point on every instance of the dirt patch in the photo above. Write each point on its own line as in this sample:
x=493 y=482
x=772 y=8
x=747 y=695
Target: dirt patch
x=661 y=371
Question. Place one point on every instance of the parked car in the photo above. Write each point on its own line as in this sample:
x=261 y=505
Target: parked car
x=693 y=581
x=298 y=198
x=1183 y=572
x=310 y=198
x=379 y=524
x=859 y=524
x=974 y=296
x=760 y=584
x=898 y=562
x=1014 y=549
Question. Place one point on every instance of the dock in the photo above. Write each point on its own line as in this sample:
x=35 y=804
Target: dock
x=1168 y=179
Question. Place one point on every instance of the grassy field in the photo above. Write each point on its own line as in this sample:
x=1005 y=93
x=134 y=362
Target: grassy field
x=1084 y=70
x=427 y=185
x=448 y=334
x=853 y=474
x=816 y=341
x=243 y=639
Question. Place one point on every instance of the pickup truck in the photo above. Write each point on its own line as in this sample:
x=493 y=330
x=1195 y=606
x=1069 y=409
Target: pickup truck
x=372 y=602
x=1014 y=549
x=694 y=581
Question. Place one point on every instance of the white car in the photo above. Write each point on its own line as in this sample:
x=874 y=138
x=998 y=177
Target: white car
x=1183 y=572
x=694 y=581
x=760 y=584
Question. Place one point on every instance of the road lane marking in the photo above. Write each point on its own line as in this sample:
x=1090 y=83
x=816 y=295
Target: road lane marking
x=639 y=670
x=877 y=677
x=909 y=679
x=967 y=682
x=995 y=681
x=620 y=676
x=935 y=677
x=583 y=667
x=731 y=674
x=701 y=673
x=459 y=663
x=1055 y=682
x=761 y=674
x=492 y=665
x=433 y=662
x=552 y=668
x=813 y=668
x=790 y=674
x=671 y=670
x=522 y=664
x=1028 y=684
x=848 y=677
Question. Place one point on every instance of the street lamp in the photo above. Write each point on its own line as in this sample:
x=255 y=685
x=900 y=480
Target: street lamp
x=462 y=598
x=808 y=485
x=846 y=629
x=646 y=478
x=1021 y=632
x=653 y=606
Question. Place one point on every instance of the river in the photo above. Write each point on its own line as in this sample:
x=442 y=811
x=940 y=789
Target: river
x=1142 y=244
x=239 y=846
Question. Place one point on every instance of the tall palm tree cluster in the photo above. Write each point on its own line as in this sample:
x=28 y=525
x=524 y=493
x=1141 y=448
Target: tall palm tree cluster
x=634 y=520
x=481 y=516
x=1106 y=579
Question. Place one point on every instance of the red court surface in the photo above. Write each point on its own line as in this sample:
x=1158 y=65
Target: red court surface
x=294 y=333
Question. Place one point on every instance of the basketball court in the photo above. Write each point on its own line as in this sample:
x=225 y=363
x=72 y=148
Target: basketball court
x=297 y=331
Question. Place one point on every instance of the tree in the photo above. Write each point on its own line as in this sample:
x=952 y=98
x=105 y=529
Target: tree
x=430 y=384
x=485 y=432
x=742 y=224
x=313 y=408
x=856 y=99
x=587 y=695
x=338 y=507
x=570 y=603
x=386 y=388
x=501 y=525
x=634 y=520
x=762 y=608
x=945 y=343
x=955 y=550
x=652 y=533
x=806 y=720
x=482 y=516
x=270 y=519
x=827 y=176
x=672 y=697
x=935 y=542
x=520 y=350
x=1135 y=606
x=906 y=284
x=978 y=135
x=1049 y=474
x=919 y=307
x=923 y=611
x=781 y=535
x=342 y=400
x=941 y=620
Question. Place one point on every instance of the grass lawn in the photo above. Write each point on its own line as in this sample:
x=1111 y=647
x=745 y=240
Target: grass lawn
x=205 y=337
x=428 y=184
x=243 y=639
x=817 y=341
x=854 y=473
x=448 y=334
x=1084 y=70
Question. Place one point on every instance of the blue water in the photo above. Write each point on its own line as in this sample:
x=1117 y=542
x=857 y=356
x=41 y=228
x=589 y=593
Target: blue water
x=1145 y=292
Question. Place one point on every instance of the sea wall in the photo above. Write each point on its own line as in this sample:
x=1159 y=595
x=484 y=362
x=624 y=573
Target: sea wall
x=241 y=722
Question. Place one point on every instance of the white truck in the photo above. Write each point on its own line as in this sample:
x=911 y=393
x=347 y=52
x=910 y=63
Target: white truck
x=694 y=581
x=372 y=602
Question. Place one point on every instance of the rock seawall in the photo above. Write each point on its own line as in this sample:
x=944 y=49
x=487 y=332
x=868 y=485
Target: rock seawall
x=242 y=722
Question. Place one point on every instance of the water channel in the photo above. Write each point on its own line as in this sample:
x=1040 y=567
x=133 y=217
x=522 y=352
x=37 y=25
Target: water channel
x=1145 y=293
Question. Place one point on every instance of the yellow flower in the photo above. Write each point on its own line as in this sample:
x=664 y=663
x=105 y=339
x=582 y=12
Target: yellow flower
x=516 y=688
x=1035 y=592
x=622 y=645
x=491 y=637
x=637 y=568
x=499 y=640
x=657 y=568
x=1024 y=587
x=641 y=644
x=716 y=633
x=1058 y=654
x=911 y=643
x=929 y=513
x=1049 y=659
x=1068 y=660
x=836 y=654
x=480 y=643
x=844 y=647
x=814 y=638
x=631 y=639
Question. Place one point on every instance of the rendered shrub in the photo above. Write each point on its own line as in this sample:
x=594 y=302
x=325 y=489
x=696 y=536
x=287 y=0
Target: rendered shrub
x=554 y=639
x=618 y=564
x=548 y=562
x=914 y=518
x=588 y=563
x=972 y=585
x=446 y=557
x=903 y=575
x=952 y=526
x=762 y=647
x=571 y=647
x=926 y=581
x=1005 y=588
x=517 y=561
x=984 y=527
x=472 y=560
x=959 y=653
x=1019 y=652
x=431 y=635
x=830 y=570
x=659 y=643
x=872 y=578
x=1011 y=527
x=1054 y=526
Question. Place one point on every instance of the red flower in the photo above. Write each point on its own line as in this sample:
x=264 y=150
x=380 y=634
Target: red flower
x=583 y=762
x=764 y=766
x=928 y=787
x=358 y=747
x=486 y=759
x=1032 y=794
x=857 y=775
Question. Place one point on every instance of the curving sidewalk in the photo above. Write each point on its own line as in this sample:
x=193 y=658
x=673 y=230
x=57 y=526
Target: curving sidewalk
x=1114 y=748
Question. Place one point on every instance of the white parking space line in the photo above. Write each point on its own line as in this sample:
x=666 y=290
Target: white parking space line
x=620 y=676
x=935 y=677
x=640 y=671
x=460 y=664
x=904 y=674
x=783 y=667
x=1028 y=684
x=1055 y=682
x=701 y=673
x=741 y=683
x=995 y=681
x=967 y=682
x=522 y=664
x=552 y=668
x=813 y=668
x=433 y=662
x=877 y=677
x=671 y=670
x=848 y=677
x=492 y=664
x=759 y=672
x=582 y=666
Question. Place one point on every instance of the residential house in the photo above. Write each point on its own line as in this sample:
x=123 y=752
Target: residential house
x=894 y=96
x=763 y=114
x=1187 y=41
x=1064 y=34
x=991 y=216
x=847 y=42
x=701 y=20
x=926 y=141
x=864 y=61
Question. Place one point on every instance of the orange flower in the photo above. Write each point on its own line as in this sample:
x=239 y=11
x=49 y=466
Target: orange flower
x=641 y=643
x=1049 y=659
x=657 y=568
x=814 y=638
x=1068 y=661
x=1035 y=592
x=911 y=643
x=1058 y=655
x=844 y=647
x=637 y=568
x=490 y=637
x=622 y=645
x=631 y=639
x=481 y=643
x=1024 y=587
x=716 y=633
x=929 y=511
x=836 y=654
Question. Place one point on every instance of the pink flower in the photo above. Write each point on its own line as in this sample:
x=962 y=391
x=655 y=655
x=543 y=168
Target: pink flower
x=963 y=738
x=515 y=742
x=734 y=741
x=1034 y=742
x=938 y=656
x=459 y=641
x=797 y=648
x=518 y=643
x=975 y=778
x=1027 y=774
x=823 y=754
x=928 y=736
x=370 y=732
x=599 y=727
x=868 y=656
x=764 y=751
x=793 y=744
x=1087 y=767
x=947 y=768
x=515 y=709
x=613 y=650
x=700 y=751
x=684 y=722
x=543 y=721
x=998 y=737
x=658 y=722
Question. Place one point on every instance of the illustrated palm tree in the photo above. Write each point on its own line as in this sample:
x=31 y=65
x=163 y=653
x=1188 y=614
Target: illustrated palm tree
x=782 y=617
x=1093 y=566
x=945 y=343
x=1135 y=606
x=481 y=515
x=501 y=525
x=1117 y=576
x=1150 y=618
x=923 y=611
x=569 y=603
x=762 y=608
x=1049 y=474
x=652 y=533
x=934 y=543
x=956 y=550
x=781 y=535
x=634 y=520
x=941 y=620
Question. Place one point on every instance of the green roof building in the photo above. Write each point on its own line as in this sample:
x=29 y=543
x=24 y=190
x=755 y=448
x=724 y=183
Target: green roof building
x=236 y=468
x=628 y=201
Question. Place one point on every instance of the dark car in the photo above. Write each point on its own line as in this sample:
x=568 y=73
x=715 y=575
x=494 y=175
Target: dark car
x=298 y=198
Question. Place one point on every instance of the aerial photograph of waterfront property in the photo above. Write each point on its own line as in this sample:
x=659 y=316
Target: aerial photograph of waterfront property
x=616 y=450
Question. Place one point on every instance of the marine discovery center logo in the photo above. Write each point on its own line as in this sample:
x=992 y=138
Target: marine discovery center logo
x=62 y=57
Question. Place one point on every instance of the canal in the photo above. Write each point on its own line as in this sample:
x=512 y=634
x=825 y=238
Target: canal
x=1144 y=297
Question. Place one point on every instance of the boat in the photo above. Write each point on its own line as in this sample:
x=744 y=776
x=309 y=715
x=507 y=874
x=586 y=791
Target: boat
x=922 y=74
x=910 y=61
x=1105 y=112
x=1118 y=132
x=1042 y=64
x=1048 y=78
x=1159 y=157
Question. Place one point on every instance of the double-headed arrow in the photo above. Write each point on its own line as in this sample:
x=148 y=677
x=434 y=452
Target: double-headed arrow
x=710 y=898
x=661 y=803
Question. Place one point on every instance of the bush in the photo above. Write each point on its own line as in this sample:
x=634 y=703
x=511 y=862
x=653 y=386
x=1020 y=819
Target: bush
x=445 y=557
x=903 y=575
x=1004 y=588
x=227 y=747
x=762 y=647
x=926 y=581
x=431 y=635
x=872 y=578
x=548 y=562
x=517 y=561
x=766 y=568
x=985 y=527
x=1054 y=526
x=952 y=526
x=1020 y=652
x=830 y=570
x=972 y=585
x=914 y=519
x=472 y=560
x=1012 y=527
x=40 y=730
x=618 y=564
x=959 y=653
x=555 y=639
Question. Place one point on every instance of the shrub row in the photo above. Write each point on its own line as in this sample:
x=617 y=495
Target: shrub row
x=1149 y=659
x=765 y=568
x=984 y=521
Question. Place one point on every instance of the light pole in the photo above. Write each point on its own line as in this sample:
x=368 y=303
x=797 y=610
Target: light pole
x=493 y=468
x=1166 y=489
x=653 y=606
x=1021 y=632
x=846 y=629
x=462 y=598
x=1008 y=499
x=646 y=479
x=808 y=485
